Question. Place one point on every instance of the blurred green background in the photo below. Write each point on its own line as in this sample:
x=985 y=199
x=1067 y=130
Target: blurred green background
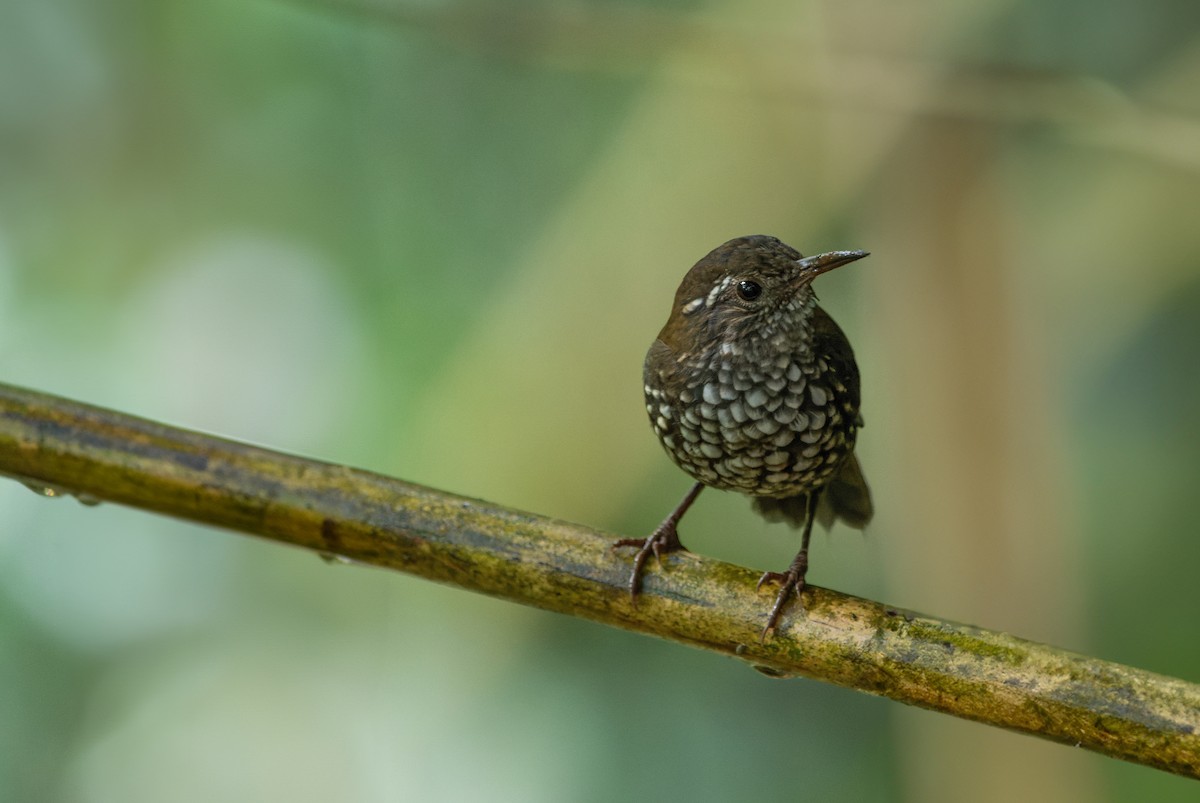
x=434 y=239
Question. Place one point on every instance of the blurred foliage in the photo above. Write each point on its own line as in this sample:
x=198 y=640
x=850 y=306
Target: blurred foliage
x=434 y=239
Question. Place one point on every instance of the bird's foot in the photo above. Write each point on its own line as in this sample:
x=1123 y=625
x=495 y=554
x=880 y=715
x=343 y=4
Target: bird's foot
x=664 y=540
x=790 y=582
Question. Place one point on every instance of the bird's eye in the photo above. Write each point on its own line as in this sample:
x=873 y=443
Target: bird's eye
x=749 y=290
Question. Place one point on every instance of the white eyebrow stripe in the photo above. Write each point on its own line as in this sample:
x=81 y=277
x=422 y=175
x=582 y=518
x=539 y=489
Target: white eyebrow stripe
x=716 y=291
x=693 y=305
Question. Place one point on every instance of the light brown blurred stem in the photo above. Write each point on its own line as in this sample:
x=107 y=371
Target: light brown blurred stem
x=334 y=510
x=621 y=38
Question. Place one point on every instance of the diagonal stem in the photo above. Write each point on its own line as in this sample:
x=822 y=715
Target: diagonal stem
x=957 y=669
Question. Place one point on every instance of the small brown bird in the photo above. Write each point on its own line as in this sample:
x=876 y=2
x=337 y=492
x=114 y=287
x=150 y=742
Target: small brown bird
x=752 y=387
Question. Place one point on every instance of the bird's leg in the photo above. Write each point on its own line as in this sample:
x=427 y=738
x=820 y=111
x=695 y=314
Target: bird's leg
x=793 y=579
x=663 y=540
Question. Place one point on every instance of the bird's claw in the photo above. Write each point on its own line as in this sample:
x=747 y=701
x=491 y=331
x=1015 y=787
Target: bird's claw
x=662 y=541
x=790 y=582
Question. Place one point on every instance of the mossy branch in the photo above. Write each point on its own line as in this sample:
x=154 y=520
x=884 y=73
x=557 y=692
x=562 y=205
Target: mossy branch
x=965 y=671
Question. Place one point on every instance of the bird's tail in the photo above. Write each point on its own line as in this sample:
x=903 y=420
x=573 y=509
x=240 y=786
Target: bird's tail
x=845 y=497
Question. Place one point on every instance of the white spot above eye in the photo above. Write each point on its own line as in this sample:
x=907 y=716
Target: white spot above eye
x=716 y=290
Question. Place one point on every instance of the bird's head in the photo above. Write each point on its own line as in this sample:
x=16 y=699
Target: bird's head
x=749 y=293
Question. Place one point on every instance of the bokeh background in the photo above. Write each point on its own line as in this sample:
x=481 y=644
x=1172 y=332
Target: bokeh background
x=434 y=239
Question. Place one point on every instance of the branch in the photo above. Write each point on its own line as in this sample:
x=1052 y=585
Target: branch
x=63 y=446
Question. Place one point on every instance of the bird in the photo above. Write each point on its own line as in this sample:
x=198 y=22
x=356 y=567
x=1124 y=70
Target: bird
x=752 y=387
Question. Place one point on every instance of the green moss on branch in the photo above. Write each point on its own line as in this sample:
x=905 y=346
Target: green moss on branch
x=965 y=671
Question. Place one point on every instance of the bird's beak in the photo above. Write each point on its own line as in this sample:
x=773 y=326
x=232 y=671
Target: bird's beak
x=814 y=266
